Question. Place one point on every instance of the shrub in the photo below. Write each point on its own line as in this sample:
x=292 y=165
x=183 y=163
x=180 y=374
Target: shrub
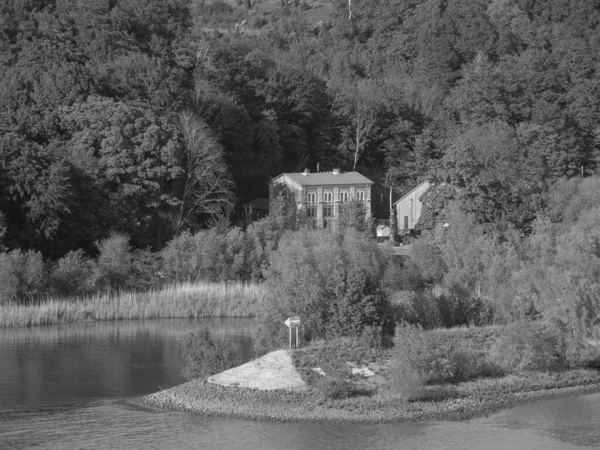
x=205 y=356
x=454 y=309
x=146 y=270
x=220 y=255
x=589 y=356
x=258 y=22
x=334 y=389
x=428 y=258
x=425 y=308
x=22 y=276
x=74 y=274
x=530 y=346
x=435 y=358
x=114 y=261
x=405 y=379
x=403 y=276
x=356 y=303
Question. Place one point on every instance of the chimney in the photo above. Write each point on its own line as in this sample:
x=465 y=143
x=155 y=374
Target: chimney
x=306 y=172
x=335 y=171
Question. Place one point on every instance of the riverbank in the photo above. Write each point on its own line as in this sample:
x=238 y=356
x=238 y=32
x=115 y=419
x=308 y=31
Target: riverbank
x=427 y=375
x=206 y=398
x=192 y=300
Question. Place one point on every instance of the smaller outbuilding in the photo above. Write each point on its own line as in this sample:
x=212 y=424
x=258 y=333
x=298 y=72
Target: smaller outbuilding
x=383 y=232
x=408 y=208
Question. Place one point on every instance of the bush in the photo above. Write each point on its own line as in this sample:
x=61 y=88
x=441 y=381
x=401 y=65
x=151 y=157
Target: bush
x=22 y=276
x=449 y=310
x=146 y=270
x=356 y=303
x=405 y=379
x=114 y=261
x=530 y=346
x=74 y=274
x=335 y=389
x=435 y=358
x=221 y=254
x=589 y=356
x=428 y=258
x=205 y=356
x=258 y=22
x=403 y=276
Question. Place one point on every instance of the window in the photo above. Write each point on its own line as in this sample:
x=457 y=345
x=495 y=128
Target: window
x=361 y=196
x=327 y=210
x=311 y=212
x=328 y=197
x=344 y=197
x=406 y=222
x=312 y=197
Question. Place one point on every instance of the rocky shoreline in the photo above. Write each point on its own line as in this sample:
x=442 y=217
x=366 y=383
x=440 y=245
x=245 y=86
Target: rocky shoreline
x=205 y=398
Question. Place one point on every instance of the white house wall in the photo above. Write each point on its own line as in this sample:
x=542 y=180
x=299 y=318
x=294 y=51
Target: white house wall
x=408 y=209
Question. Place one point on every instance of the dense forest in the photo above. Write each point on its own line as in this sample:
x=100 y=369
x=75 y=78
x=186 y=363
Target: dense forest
x=148 y=117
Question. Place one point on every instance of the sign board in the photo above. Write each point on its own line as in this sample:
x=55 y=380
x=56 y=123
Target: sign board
x=292 y=321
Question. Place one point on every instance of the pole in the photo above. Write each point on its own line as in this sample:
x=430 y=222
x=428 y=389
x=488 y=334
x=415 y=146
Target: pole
x=297 y=337
x=290 y=338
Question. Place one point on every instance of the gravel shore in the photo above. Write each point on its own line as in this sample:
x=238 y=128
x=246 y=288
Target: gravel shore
x=280 y=405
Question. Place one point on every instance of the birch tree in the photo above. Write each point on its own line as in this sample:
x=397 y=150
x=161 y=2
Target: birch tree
x=358 y=110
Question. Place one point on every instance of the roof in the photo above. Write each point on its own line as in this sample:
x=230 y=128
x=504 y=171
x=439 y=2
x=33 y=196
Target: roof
x=258 y=203
x=411 y=191
x=325 y=178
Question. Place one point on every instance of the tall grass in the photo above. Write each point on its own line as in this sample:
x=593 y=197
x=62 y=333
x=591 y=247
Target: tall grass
x=180 y=300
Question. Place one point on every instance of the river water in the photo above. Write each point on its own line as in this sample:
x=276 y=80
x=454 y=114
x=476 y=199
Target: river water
x=67 y=387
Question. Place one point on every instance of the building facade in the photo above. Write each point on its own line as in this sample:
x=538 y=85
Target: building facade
x=408 y=208
x=320 y=197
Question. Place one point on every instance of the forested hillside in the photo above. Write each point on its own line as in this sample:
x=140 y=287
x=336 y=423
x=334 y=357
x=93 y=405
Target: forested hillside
x=146 y=117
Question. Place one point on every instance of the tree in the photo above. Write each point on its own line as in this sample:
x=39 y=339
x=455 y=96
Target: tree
x=135 y=76
x=35 y=191
x=127 y=157
x=392 y=179
x=359 y=111
x=205 y=187
x=2 y=232
x=322 y=277
x=353 y=215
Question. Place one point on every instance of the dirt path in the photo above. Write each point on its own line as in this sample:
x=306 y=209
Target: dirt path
x=273 y=371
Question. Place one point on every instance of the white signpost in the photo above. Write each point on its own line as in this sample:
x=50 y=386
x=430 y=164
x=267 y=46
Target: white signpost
x=293 y=322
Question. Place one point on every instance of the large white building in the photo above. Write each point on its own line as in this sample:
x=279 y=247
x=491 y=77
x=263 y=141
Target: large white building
x=320 y=196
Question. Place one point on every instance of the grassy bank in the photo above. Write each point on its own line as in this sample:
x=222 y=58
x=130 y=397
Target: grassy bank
x=180 y=300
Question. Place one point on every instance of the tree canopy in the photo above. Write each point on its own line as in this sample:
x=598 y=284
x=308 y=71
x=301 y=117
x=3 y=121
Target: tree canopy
x=107 y=106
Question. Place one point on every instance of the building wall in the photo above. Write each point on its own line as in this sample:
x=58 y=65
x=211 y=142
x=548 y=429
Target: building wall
x=320 y=204
x=408 y=209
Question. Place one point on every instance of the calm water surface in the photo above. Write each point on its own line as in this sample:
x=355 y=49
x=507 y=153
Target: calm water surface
x=66 y=387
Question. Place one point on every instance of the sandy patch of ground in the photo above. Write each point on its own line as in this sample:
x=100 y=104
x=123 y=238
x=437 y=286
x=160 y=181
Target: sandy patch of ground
x=273 y=371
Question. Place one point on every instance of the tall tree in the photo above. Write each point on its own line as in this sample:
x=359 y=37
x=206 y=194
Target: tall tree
x=35 y=191
x=205 y=187
x=128 y=154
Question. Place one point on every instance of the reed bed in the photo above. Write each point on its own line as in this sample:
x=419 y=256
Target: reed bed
x=191 y=300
